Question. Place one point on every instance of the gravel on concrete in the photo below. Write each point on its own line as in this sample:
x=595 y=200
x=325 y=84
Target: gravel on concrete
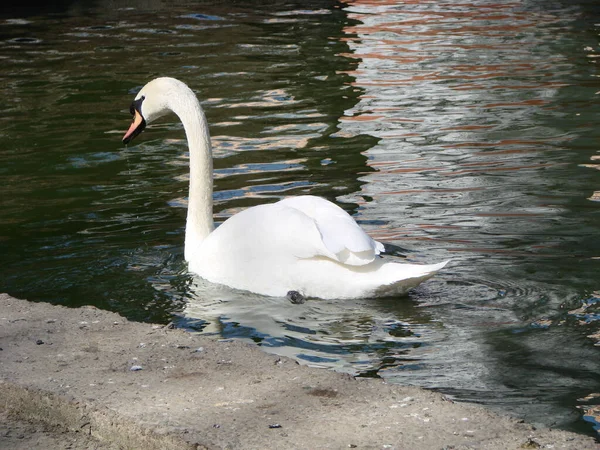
x=87 y=378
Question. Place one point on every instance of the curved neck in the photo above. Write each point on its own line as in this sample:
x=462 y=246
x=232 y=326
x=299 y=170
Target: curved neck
x=200 y=201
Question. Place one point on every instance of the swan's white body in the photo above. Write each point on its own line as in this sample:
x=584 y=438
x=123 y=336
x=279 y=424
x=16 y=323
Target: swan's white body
x=305 y=244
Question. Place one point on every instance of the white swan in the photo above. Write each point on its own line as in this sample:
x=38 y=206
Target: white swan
x=305 y=244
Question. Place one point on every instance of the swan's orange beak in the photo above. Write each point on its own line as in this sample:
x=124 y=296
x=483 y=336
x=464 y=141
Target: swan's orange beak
x=137 y=126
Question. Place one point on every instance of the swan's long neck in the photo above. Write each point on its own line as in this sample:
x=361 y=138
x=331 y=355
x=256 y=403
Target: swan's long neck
x=200 y=202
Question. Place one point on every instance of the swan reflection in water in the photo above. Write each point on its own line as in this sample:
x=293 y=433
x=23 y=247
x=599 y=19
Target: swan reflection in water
x=357 y=336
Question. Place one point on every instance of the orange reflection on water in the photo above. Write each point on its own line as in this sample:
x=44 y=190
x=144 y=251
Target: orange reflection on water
x=452 y=90
x=363 y=118
x=495 y=169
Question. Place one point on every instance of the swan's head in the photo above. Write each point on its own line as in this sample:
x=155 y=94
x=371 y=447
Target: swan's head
x=154 y=100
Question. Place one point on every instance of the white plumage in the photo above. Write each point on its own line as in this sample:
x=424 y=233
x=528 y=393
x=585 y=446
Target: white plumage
x=305 y=244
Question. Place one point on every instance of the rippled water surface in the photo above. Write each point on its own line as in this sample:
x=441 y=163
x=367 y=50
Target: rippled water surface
x=464 y=130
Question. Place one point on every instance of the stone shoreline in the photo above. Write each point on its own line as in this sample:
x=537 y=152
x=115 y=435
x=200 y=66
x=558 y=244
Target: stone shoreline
x=86 y=378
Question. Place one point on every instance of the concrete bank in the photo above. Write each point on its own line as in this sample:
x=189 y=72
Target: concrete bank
x=91 y=379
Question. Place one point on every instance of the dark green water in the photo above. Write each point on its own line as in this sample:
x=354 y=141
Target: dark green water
x=458 y=130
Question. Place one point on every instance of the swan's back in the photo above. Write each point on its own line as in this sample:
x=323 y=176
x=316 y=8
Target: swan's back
x=306 y=244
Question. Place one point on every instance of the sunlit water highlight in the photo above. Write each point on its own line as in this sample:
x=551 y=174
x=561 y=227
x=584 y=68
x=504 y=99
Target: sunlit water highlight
x=457 y=130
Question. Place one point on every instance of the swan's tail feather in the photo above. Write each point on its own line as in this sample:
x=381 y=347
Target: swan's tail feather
x=416 y=276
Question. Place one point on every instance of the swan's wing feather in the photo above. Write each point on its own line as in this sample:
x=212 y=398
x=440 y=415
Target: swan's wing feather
x=340 y=234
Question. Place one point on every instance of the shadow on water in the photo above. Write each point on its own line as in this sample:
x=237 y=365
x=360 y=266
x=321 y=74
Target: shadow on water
x=463 y=130
x=348 y=335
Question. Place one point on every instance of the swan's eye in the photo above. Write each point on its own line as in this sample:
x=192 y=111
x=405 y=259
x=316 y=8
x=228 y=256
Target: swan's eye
x=132 y=110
